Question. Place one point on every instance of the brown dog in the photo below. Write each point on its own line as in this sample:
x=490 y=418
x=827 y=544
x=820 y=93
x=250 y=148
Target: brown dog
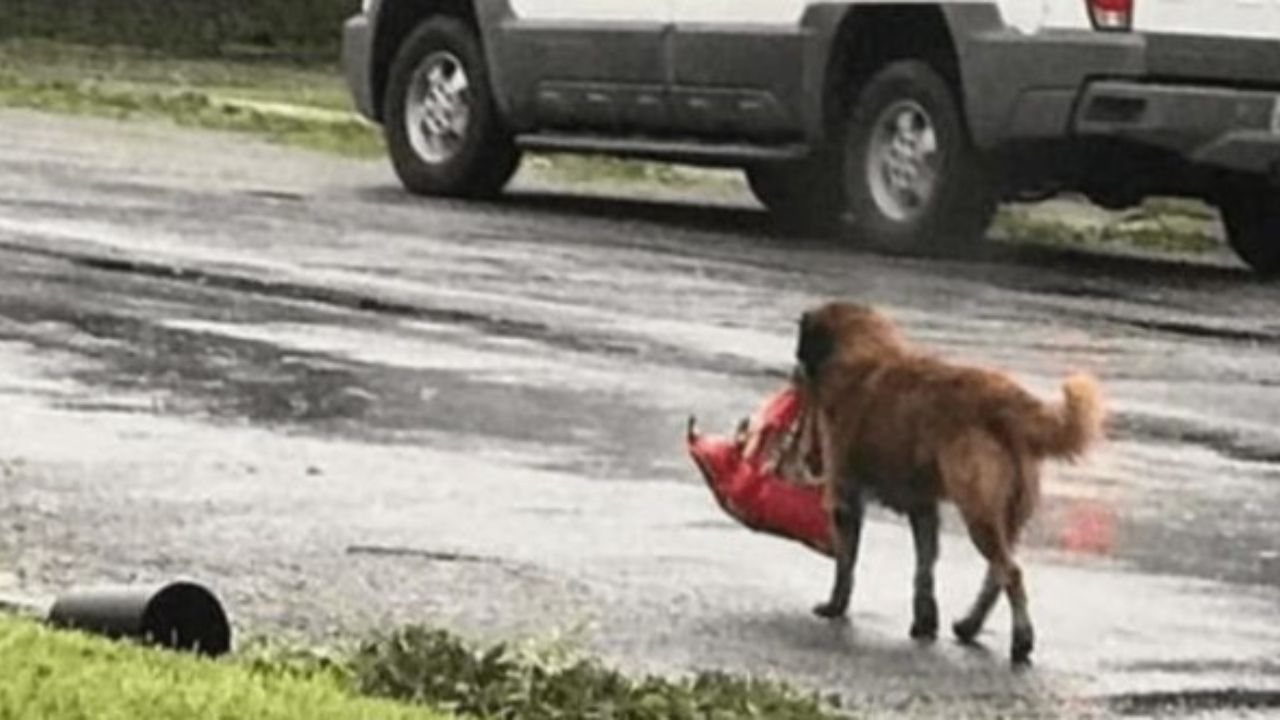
x=910 y=431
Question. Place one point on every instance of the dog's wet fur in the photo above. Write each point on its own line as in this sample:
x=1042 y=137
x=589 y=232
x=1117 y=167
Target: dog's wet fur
x=909 y=430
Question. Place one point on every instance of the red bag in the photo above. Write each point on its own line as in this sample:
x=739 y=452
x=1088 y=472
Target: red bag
x=736 y=471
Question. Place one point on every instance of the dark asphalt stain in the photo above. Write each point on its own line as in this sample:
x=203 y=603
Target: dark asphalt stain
x=1209 y=329
x=674 y=215
x=422 y=554
x=276 y=195
x=1165 y=429
x=1126 y=270
x=90 y=406
x=601 y=434
x=1187 y=702
x=1199 y=666
x=599 y=344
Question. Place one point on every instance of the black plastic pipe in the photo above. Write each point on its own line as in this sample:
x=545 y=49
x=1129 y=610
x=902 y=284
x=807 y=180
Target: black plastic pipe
x=178 y=616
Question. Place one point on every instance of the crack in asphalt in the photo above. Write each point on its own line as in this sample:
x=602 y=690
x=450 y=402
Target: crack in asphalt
x=1188 y=328
x=1129 y=425
x=433 y=555
x=1185 y=702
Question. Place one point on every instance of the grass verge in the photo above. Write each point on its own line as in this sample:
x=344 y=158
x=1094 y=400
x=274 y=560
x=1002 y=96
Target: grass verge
x=415 y=672
x=303 y=106
x=531 y=683
x=1157 y=225
x=57 y=676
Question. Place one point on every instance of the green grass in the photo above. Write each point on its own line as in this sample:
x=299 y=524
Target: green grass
x=299 y=105
x=288 y=29
x=294 y=105
x=548 y=683
x=415 y=672
x=1158 y=225
x=310 y=85
x=60 y=676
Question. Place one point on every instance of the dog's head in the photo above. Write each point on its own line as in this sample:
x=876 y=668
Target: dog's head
x=842 y=332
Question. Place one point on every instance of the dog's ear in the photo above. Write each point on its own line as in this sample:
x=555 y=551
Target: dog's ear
x=814 y=346
x=805 y=321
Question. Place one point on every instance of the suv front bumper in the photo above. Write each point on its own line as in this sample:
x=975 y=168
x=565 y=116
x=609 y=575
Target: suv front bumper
x=357 y=63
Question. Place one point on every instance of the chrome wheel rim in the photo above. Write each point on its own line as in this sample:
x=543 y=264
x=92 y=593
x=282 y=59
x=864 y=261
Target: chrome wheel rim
x=903 y=160
x=438 y=107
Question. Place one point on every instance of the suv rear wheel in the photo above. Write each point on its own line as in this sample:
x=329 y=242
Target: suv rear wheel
x=442 y=129
x=913 y=178
x=1252 y=216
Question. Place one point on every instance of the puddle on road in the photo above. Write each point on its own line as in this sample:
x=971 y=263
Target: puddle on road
x=406 y=382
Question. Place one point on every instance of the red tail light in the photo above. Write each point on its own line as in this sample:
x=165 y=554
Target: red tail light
x=1111 y=14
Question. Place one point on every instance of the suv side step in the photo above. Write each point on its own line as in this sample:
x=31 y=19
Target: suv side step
x=694 y=152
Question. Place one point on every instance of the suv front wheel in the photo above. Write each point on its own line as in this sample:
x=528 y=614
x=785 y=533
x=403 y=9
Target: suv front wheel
x=913 y=178
x=442 y=129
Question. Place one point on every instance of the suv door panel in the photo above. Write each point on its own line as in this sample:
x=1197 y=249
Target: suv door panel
x=743 y=81
x=593 y=64
x=738 y=67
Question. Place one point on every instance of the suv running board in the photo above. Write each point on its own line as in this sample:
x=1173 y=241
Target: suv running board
x=694 y=152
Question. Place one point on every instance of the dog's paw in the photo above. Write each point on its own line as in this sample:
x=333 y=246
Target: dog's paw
x=830 y=610
x=924 y=631
x=1024 y=640
x=966 y=630
x=925 y=625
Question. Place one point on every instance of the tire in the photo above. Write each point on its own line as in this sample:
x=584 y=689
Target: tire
x=802 y=197
x=452 y=142
x=905 y=125
x=1252 y=217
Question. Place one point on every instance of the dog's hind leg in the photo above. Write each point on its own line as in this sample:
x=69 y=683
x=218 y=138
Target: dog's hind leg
x=1023 y=631
x=980 y=476
x=968 y=627
x=1003 y=574
x=924 y=530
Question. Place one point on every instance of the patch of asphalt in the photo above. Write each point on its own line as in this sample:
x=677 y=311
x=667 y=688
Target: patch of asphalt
x=224 y=371
x=1156 y=316
x=1232 y=443
x=364 y=300
x=1126 y=424
x=1202 y=327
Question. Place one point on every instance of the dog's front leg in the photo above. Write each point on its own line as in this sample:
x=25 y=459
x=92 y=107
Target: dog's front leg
x=924 y=530
x=847 y=509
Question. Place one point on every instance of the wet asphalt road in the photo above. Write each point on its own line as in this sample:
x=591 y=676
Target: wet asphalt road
x=345 y=408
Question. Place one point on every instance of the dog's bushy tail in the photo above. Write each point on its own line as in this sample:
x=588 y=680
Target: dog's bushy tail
x=1068 y=429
